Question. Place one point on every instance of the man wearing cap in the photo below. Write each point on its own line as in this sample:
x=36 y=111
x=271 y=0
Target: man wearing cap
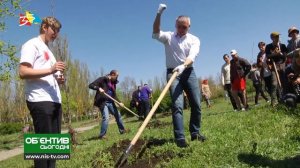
x=239 y=68
x=276 y=52
x=293 y=43
x=181 y=50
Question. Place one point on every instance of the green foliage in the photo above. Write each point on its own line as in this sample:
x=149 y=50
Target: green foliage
x=165 y=104
x=10 y=128
x=75 y=92
x=11 y=141
x=11 y=63
x=7 y=9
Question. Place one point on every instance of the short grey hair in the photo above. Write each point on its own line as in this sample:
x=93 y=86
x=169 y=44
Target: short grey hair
x=182 y=18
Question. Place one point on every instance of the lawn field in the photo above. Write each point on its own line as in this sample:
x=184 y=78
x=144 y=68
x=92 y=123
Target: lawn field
x=260 y=137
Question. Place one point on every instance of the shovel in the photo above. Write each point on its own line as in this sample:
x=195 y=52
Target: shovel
x=107 y=95
x=124 y=156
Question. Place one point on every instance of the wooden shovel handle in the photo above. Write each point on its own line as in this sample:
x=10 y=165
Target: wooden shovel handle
x=107 y=95
x=146 y=121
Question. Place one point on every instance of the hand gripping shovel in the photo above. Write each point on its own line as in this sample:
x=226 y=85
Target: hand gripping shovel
x=120 y=104
x=124 y=156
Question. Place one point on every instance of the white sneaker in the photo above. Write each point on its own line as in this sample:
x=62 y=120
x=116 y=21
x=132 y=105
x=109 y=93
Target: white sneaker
x=243 y=109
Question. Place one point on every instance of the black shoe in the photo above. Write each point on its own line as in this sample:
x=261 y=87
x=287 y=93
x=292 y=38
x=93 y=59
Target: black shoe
x=198 y=137
x=125 y=131
x=141 y=118
x=102 y=137
x=181 y=143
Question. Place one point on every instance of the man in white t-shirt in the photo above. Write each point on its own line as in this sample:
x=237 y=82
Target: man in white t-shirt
x=42 y=74
x=181 y=49
x=226 y=82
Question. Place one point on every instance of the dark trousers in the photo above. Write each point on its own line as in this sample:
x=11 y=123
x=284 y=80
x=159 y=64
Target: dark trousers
x=276 y=91
x=139 y=109
x=268 y=84
x=145 y=107
x=227 y=87
x=258 y=91
x=46 y=118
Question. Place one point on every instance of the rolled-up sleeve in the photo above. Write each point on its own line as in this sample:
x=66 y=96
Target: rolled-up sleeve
x=195 y=49
x=163 y=37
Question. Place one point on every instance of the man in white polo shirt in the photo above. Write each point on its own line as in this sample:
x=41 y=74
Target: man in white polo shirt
x=42 y=74
x=181 y=49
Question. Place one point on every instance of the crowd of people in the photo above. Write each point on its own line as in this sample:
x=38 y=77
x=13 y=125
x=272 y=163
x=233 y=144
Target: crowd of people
x=278 y=67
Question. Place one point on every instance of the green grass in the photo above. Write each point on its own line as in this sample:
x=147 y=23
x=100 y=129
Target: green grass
x=260 y=137
x=11 y=141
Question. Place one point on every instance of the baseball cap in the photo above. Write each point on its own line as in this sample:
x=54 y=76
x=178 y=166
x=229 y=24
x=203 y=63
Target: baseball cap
x=274 y=34
x=292 y=29
x=233 y=52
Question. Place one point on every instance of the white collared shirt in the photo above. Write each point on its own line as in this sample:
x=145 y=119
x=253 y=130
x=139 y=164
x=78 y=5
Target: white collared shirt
x=178 y=49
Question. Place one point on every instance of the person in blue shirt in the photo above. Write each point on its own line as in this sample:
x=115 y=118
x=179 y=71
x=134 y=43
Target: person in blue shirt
x=145 y=96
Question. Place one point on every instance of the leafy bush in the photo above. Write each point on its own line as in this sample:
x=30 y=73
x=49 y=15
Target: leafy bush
x=9 y=128
x=165 y=104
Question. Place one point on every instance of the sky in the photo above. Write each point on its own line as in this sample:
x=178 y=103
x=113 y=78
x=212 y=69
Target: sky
x=117 y=34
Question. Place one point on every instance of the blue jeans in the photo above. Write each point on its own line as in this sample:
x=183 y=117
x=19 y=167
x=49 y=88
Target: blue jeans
x=189 y=83
x=110 y=107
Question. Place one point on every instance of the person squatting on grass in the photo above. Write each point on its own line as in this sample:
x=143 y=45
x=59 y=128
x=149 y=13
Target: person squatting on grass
x=206 y=92
x=254 y=75
x=225 y=79
x=181 y=49
x=276 y=52
x=43 y=74
x=107 y=84
x=239 y=68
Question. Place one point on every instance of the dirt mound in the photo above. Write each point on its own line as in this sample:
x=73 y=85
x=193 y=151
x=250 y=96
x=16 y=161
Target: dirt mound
x=137 y=157
x=117 y=148
x=158 y=124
